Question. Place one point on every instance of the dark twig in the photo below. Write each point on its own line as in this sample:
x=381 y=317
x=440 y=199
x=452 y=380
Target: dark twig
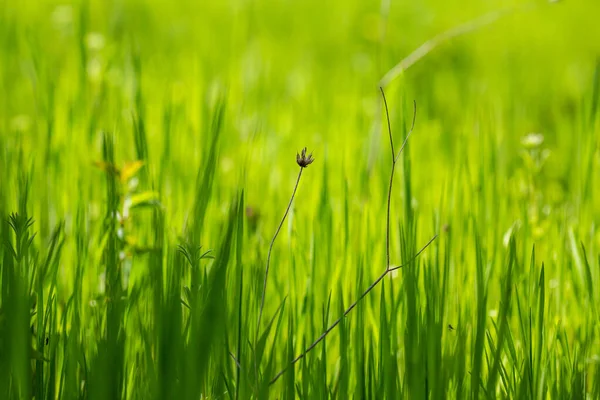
x=388 y=269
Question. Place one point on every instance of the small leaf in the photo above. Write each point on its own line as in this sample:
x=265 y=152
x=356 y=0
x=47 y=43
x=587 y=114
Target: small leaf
x=130 y=169
x=183 y=250
x=144 y=199
x=205 y=255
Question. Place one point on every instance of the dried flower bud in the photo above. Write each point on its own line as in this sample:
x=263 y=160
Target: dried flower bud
x=303 y=160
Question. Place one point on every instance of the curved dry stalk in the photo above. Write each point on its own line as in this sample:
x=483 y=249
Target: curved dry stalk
x=287 y=210
x=394 y=161
x=388 y=268
x=462 y=29
x=303 y=160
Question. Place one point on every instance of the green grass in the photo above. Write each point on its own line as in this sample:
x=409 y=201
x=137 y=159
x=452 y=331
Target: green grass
x=147 y=156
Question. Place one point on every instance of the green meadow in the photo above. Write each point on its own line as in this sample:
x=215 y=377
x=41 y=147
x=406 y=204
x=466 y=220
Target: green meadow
x=165 y=237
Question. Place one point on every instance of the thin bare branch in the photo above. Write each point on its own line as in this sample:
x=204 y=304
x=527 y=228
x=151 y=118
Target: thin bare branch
x=352 y=306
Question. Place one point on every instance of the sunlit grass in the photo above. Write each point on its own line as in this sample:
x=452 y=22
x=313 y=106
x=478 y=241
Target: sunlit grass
x=148 y=154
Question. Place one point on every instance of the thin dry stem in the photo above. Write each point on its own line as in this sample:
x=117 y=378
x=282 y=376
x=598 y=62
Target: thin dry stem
x=264 y=291
x=287 y=210
x=395 y=158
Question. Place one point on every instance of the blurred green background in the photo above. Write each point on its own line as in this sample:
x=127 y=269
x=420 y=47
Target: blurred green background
x=217 y=97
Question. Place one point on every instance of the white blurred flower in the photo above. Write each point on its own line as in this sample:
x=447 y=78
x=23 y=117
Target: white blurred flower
x=532 y=140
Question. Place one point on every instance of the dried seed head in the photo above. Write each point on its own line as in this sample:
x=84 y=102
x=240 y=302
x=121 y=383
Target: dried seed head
x=303 y=160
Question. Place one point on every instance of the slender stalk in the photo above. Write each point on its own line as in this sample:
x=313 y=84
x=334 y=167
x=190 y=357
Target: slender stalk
x=394 y=161
x=387 y=221
x=388 y=268
x=389 y=194
x=287 y=210
x=264 y=291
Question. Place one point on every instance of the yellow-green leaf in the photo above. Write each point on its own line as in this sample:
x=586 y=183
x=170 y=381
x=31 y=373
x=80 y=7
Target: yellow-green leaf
x=130 y=169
